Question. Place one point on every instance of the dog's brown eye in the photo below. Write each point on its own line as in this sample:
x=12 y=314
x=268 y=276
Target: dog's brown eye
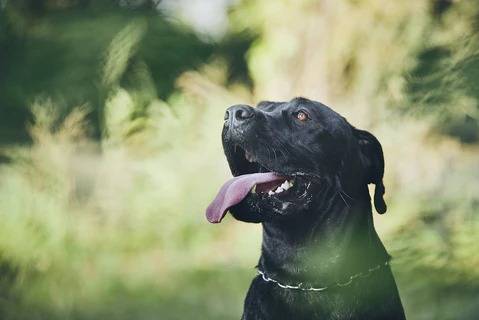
x=302 y=116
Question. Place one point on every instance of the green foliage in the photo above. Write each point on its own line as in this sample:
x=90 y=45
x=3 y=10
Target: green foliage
x=119 y=233
x=76 y=52
x=102 y=213
x=443 y=83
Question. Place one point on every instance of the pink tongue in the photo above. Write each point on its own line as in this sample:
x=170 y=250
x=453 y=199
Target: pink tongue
x=235 y=190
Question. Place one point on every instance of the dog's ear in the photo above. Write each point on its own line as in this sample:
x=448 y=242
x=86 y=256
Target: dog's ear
x=372 y=160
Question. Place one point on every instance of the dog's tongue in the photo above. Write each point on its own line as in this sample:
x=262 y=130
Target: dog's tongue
x=235 y=190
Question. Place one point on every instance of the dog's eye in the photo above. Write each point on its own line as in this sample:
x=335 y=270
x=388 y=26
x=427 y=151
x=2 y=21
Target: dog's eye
x=302 y=116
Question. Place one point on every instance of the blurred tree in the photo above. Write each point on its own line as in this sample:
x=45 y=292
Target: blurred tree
x=445 y=80
x=58 y=49
x=418 y=57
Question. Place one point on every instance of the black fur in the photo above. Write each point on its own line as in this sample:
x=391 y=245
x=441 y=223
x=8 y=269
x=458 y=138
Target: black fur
x=321 y=232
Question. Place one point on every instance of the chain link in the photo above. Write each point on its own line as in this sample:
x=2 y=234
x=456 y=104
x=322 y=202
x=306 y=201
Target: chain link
x=300 y=286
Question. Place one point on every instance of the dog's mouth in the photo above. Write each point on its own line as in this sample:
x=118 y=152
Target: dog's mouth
x=254 y=179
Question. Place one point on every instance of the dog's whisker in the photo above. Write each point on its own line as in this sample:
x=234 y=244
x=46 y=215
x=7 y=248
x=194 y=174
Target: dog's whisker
x=347 y=195
x=344 y=200
x=269 y=152
x=275 y=155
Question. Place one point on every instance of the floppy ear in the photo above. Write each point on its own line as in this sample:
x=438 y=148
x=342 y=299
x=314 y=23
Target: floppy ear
x=372 y=160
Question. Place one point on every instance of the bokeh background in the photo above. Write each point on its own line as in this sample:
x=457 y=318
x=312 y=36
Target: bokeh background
x=110 y=120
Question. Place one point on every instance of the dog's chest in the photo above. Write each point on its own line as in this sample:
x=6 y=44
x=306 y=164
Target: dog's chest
x=318 y=305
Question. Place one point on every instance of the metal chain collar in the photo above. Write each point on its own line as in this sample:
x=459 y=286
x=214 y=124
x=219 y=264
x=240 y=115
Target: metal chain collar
x=299 y=286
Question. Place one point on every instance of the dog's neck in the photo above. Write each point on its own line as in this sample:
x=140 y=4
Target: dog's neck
x=332 y=242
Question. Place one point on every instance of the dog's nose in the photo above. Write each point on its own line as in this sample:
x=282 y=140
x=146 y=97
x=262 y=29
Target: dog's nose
x=238 y=114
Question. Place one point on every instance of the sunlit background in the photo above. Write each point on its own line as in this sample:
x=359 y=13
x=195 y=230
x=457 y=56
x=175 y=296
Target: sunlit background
x=110 y=120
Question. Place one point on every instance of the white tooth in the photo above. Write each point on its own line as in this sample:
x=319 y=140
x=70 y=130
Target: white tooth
x=270 y=193
x=254 y=189
x=279 y=190
x=286 y=185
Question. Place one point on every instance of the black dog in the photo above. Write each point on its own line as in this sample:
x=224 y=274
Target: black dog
x=302 y=171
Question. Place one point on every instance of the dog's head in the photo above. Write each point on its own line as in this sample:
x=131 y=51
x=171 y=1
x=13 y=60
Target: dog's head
x=283 y=153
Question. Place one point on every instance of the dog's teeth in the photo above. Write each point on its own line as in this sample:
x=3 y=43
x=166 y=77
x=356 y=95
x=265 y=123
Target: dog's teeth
x=283 y=187
x=254 y=189
x=286 y=185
